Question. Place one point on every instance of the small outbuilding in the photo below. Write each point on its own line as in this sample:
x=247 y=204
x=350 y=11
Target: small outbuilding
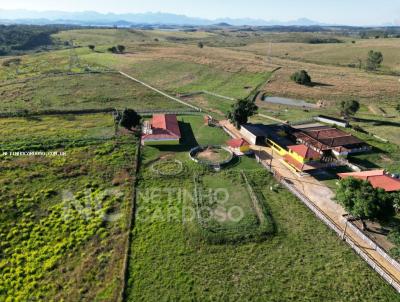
x=239 y=146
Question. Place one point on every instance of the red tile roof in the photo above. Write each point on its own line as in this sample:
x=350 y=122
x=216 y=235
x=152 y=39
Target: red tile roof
x=304 y=151
x=362 y=175
x=377 y=178
x=164 y=127
x=166 y=122
x=237 y=143
x=325 y=138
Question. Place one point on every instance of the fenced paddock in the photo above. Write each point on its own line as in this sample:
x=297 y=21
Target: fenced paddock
x=256 y=223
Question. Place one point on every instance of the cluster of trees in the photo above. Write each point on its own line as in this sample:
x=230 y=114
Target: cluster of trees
x=20 y=38
x=241 y=111
x=117 y=49
x=301 y=77
x=362 y=201
x=316 y=40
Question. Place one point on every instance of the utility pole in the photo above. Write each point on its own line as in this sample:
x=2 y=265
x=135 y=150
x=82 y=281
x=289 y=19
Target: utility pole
x=345 y=227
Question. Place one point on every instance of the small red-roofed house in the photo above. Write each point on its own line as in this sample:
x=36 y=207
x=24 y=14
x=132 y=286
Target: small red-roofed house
x=239 y=146
x=377 y=178
x=162 y=130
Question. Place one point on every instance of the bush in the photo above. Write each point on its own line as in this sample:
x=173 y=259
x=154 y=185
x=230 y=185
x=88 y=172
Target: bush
x=12 y=61
x=301 y=77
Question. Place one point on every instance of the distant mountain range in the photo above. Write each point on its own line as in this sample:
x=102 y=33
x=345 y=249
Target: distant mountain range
x=98 y=19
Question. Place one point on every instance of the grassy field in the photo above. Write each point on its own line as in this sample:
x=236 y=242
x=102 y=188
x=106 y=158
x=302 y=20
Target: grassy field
x=64 y=218
x=343 y=54
x=57 y=127
x=48 y=258
x=83 y=91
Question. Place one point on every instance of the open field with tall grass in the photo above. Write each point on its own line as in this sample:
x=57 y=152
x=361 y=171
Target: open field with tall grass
x=341 y=54
x=64 y=218
x=82 y=91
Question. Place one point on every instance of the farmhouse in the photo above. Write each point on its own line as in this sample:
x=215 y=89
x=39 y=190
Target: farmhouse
x=377 y=178
x=239 y=146
x=162 y=130
x=302 y=158
x=325 y=139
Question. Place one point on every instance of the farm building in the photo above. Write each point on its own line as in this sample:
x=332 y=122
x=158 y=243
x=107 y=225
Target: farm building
x=254 y=133
x=332 y=121
x=239 y=146
x=163 y=129
x=377 y=178
x=302 y=158
x=260 y=134
x=325 y=139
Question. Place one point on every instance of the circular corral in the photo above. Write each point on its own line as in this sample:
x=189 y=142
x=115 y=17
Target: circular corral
x=215 y=157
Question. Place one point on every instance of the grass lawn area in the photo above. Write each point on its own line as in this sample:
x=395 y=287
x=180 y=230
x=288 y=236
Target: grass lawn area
x=63 y=219
x=225 y=211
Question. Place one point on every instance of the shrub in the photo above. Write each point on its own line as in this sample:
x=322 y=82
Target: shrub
x=301 y=77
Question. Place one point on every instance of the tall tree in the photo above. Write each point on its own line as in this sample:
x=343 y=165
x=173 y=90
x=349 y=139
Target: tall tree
x=374 y=60
x=349 y=108
x=129 y=119
x=241 y=111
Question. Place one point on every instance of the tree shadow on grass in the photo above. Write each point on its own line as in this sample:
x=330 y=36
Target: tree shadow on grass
x=365 y=163
x=329 y=173
x=377 y=122
x=318 y=84
x=188 y=140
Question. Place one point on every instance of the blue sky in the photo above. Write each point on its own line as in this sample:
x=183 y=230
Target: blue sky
x=351 y=12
